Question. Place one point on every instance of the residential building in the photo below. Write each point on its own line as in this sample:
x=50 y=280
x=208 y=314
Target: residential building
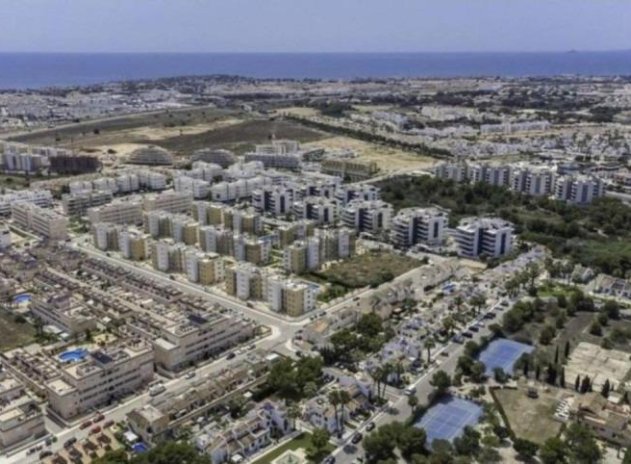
x=77 y=204
x=367 y=216
x=489 y=237
x=244 y=281
x=63 y=310
x=106 y=375
x=118 y=212
x=171 y=201
x=419 y=225
x=39 y=220
x=21 y=416
x=350 y=169
x=319 y=209
x=42 y=198
x=580 y=190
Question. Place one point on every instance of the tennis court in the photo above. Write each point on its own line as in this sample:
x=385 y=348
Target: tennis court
x=503 y=353
x=447 y=419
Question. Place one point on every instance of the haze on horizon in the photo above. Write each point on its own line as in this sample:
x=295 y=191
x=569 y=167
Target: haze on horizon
x=313 y=26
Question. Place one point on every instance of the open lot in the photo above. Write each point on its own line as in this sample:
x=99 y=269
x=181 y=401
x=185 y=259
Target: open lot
x=388 y=159
x=530 y=418
x=14 y=334
x=598 y=363
x=13 y=182
x=368 y=269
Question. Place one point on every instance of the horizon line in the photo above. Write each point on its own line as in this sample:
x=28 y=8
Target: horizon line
x=454 y=52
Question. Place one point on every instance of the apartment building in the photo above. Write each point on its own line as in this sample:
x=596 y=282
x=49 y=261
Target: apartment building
x=451 y=171
x=274 y=199
x=39 y=220
x=237 y=189
x=419 y=225
x=288 y=296
x=326 y=245
x=21 y=416
x=106 y=375
x=152 y=180
x=105 y=236
x=217 y=239
x=171 y=201
x=288 y=232
x=204 y=268
x=245 y=281
x=194 y=336
x=367 y=216
x=151 y=155
x=533 y=180
x=319 y=209
x=168 y=256
x=366 y=192
x=133 y=244
x=580 y=190
x=255 y=250
x=77 y=204
x=276 y=160
x=350 y=169
x=242 y=220
x=489 y=237
x=5 y=237
x=42 y=198
x=63 y=310
x=118 y=212
x=223 y=158
x=197 y=188
x=302 y=256
x=205 y=171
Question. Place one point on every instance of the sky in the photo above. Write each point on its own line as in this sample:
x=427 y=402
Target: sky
x=313 y=25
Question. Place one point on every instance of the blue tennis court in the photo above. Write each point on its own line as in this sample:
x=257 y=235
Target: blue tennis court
x=503 y=353
x=447 y=419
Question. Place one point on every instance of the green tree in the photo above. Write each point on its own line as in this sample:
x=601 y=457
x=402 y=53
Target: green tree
x=429 y=345
x=318 y=442
x=468 y=443
x=489 y=455
x=627 y=457
x=171 y=453
x=441 y=381
x=526 y=449
x=553 y=451
x=611 y=309
x=582 y=445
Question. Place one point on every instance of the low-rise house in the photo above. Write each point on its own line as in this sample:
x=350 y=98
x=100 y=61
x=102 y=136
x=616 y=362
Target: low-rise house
x=608 y=421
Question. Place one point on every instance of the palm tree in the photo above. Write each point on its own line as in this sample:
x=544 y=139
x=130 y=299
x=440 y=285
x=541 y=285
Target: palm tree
x=429 y=344
x=386 y=370
x=398 y=370
x=294 y=413
x=376 y=377
x=449 y=324
x=458 y=302
x=334 y=399
x=344 y=398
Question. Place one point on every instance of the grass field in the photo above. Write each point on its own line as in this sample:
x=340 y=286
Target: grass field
x=530 y=418
x=14 y=334
x=369 y=269
x=13 y=182
x=302 y=441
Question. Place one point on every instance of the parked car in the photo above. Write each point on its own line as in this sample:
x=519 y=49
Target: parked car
x=467 y=334
x=410 y=391
x=329 y=460
x=98 y=418
x=45 y=454
x=108 y=424
x=95 y=430
x=191 y=375
x=356 y=438
x=86 y=424
x=474 y=329
x=70 y=442
x=230 y=355
x=370 y=426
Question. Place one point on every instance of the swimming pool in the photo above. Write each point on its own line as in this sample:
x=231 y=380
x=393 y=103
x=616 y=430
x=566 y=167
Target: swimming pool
x=23 y=298
x=139 y=447
x=73 y=355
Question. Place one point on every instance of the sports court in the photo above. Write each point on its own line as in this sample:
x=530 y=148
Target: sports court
x=447 y=419
x=503 y=353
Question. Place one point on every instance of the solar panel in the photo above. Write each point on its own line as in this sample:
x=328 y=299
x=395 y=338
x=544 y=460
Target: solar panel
x=196 y=319
x=503 y=353
x=448 y=418
x=101 y=357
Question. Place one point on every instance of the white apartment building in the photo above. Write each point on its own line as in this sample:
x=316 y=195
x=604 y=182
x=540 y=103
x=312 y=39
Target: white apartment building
x=204 y=268
x=419 y=225
x=347 y=193
x=39 y=220
x=152 y=180
x=119 y=212
x=490 y=237
x=451 y=171
x=319 y=209
x=237 y=189
x=63 y=311
x=106 y=375
x=77 y=204
x=580 y=190
x=192 y=337
x=273 y=198
x=196 y=187
x=171 y=201
x=21 y=417
x=5 y=237
x=41 y=198
x=367 y=216
x=133 y=244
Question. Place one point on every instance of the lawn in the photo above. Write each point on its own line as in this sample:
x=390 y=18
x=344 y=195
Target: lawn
x=368 y=269
x=14 y=334
x=302 y=441
x=530 y=418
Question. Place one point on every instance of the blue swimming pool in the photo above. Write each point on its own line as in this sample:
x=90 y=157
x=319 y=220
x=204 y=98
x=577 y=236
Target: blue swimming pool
x=73 y=355
x=139 y=447
x=23 y=298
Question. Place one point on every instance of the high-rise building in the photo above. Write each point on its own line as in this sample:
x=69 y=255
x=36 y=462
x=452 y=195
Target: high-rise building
x=489 y=237
x=419 y=225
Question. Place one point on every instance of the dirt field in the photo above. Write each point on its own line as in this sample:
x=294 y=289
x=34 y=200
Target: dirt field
x=388 y=159
x=530 y=418
x=600 y=364
x=14 y=334
x=371 y=268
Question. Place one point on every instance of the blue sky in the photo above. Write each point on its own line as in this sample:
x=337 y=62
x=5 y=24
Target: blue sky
x=313 y=25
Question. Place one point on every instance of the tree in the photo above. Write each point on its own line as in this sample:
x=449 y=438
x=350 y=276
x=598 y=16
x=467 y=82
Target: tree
x=562 y=377
x=537 y=372
x=586 y=384
x=556 y=355
x=566 y=353
x=478 y=371
x=477 y=301
x=553 y=451
x=429 y=345
x=547 y=334
x=449 y=325
x=441 y=382
x=627 y=457
x=335 y=400
x=412 y=401
x=611 y=309
x=489 y=455
x=526 y=367
x=499 y=375
x=582 y=445
x=171 y=452
x=468 y=443
x=577 y=383
x=525 y=448
x=294 y=412
x=411 y=440
x=319 y=441
x=605 y=389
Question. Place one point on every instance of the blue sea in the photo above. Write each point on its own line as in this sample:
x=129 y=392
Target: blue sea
x=37 y=70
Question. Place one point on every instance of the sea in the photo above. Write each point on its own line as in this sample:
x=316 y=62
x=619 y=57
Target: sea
x=39 y=70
